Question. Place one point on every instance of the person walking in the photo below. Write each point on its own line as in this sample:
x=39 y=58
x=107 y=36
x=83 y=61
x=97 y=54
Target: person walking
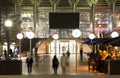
x=29 y=62
x=63 y=63
x=68 y=54
x=5 y=53
x=10 y=52
x=55 y=64
x=81 y=54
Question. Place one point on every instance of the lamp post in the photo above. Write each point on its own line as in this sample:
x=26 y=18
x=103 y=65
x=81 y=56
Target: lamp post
x=30 y=35
x=91 y=36
x=8 y=23
x=20 y=36
x=76 y=34
x=55 y=37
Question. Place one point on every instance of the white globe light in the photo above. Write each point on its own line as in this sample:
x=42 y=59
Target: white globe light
x=19 y=36
x=55 y=36
x=91 y=36
x=114 y=34
x=8 y=23
x=76 y=33
x=30 y=35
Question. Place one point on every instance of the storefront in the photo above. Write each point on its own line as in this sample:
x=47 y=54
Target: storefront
x=62 y=46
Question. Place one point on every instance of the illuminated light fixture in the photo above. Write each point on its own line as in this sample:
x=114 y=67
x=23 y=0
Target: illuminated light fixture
x=8 y=23
x=19 y=36
x=30 y=35
x=76 y=33
x=55 y=36
x=114 y=34
x=91 y=36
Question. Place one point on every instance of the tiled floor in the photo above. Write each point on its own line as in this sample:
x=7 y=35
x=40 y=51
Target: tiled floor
x=43 y=69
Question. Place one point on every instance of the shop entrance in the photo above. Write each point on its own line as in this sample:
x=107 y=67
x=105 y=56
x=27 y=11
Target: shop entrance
x=59 y=46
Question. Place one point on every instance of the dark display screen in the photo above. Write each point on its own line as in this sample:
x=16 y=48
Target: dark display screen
x=64 y=20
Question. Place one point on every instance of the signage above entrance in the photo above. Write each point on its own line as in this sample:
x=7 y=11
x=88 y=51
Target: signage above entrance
x=64 y=20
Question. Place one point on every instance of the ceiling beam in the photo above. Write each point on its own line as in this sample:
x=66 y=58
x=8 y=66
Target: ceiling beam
x=37 y=2
x=91 y=2
x=111 y=2
x=71 y=2
x=52 y=2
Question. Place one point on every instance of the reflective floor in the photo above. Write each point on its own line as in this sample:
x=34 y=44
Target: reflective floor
x=43 y=69
x=44 y=65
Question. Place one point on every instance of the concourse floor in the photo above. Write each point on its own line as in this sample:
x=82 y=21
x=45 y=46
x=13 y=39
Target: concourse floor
x=44 y=65
x=43 y=69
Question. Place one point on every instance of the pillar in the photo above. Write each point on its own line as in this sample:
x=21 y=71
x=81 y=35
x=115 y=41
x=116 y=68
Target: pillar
x=35 y=15
x=74 y=7
x=92 y=4
x=93 y=17
x=0 y=23
x=54 y=7
x=111 y=4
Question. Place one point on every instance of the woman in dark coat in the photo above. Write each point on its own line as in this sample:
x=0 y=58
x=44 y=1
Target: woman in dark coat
x=55 y=64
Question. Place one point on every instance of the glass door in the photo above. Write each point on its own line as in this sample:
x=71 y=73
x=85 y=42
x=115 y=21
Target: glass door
x=60 y=47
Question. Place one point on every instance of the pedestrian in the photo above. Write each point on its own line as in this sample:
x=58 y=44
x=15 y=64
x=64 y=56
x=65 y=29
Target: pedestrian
x=63 y=63
x=68 y=54
x=5 y=53
x=10 y=52
x=55 y=64
x=29 y=62
x=36 y=55
x=81 y=54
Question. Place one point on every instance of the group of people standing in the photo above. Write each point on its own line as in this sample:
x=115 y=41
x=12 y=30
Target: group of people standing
x=9 y=54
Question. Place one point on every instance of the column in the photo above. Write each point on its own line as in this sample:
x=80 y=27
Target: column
x=54 y=4
x=35 y=3
x=74 y=7
x=0 y=23
x=93 y=17
x=92 y=4
x=73 y=4
x=54 y=7
x=34 y=14
x=111 y=4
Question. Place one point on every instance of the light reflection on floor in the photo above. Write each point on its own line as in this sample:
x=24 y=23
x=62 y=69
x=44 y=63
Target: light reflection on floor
x=45 y=66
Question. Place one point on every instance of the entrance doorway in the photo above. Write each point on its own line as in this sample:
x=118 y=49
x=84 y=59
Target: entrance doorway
x=60 y=46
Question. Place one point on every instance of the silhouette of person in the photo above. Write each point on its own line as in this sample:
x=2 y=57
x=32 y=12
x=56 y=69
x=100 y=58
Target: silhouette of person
x=29 y=61
x=5 y=53
x=55 y=64
x=68 y=54
x=10 y=52
x=63 y=63
x=81 y=54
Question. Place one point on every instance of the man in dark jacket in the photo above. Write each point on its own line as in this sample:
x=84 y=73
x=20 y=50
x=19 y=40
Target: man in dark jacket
x=29 y=62
x=55 y=64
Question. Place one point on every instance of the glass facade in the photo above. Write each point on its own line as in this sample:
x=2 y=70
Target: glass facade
x=102 y=23
x=60 y=46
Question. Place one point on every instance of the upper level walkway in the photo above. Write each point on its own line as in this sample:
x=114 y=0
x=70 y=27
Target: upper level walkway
x=43 y=69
